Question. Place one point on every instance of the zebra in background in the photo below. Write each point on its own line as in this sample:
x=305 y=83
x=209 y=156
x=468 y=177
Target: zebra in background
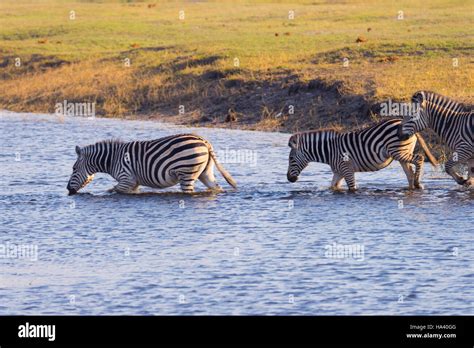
x=452 y=121
x=159 y=163
x=365 y=150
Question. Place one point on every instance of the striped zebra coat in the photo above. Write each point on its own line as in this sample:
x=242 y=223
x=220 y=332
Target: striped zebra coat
x=159 y=163
x=454 y=124
x=365 y=150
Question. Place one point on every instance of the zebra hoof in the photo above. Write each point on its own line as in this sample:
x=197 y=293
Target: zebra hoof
x=216 y=189
x=419 y=186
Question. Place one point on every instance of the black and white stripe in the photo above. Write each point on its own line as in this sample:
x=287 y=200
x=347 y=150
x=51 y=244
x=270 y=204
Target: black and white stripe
x=159 y=163
x=452 y=121
x=365 y=150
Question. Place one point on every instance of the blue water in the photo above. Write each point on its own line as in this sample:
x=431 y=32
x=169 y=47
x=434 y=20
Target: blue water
x=262 y=249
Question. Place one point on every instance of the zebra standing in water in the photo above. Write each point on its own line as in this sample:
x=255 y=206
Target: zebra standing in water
x=365 y=150
x=159 y=163
x=452 y=122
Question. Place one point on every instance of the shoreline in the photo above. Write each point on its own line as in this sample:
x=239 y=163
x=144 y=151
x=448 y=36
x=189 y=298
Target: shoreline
x=149 y=118
x=439 y=150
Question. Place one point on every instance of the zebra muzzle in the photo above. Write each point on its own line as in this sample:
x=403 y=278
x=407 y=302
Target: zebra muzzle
x=71 y=190
x=291 y=178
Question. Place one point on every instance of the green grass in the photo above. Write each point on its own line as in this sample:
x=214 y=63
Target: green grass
x=234 y=28
x=312 y=45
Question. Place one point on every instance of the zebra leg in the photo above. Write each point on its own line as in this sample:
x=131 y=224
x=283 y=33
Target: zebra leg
x=350 y=181
x=207 y=177
x=336 y=181
x=410 y=176
x=349 y=175
x=406 y=157
x=419 y=161
x=125 y=186
x=186 y=181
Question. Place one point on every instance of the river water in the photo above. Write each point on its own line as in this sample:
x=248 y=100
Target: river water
x=271 y=247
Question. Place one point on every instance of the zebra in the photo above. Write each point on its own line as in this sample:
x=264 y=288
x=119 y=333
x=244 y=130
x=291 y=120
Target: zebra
x=159 y=163
x=454 y=124
x=365 y=150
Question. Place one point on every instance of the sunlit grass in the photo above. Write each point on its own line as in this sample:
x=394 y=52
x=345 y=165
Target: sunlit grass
x=397 y=58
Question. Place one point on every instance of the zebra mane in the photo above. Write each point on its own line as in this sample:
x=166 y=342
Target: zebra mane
x=457 y=105
x=110 y=141
x=296 y=137
x=107 y=141
x=327 y=130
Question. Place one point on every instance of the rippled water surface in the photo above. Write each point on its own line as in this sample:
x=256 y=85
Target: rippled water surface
x=263 y=249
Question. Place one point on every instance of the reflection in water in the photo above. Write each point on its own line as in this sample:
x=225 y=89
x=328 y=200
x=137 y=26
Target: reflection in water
x=258 y=250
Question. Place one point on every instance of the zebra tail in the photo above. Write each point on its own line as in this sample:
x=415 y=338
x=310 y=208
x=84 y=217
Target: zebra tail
x=220 y=167
x=434 y=162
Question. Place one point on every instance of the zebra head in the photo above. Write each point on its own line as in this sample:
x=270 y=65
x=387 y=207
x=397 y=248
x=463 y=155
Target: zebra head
x=418 y=120
x=298 y=159
x=82 y=172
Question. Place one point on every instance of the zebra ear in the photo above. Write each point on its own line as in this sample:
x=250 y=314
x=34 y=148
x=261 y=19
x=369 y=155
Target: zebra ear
x=78 y=150
x=293 y=143
x=418 y=98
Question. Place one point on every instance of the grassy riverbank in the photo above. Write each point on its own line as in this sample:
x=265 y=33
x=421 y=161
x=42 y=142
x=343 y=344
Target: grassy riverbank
x=234 y=64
